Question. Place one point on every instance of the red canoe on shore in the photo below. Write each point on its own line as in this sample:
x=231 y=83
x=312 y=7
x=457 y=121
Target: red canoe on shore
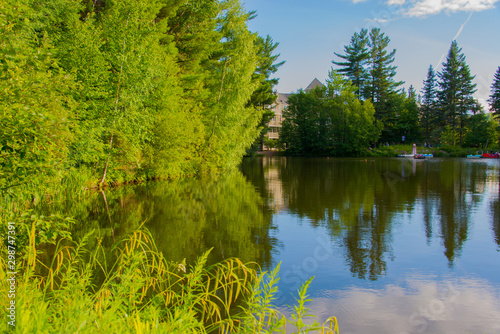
x=489 y=155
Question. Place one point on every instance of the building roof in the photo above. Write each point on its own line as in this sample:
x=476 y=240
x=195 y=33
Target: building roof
x=315 y=83
x=282 y=98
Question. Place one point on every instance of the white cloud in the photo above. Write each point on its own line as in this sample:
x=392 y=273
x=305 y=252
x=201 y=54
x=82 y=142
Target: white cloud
x=421 y=305
x=421 y=8
x=396 y=2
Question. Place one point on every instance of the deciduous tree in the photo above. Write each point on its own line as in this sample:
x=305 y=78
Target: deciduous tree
x=329 y=121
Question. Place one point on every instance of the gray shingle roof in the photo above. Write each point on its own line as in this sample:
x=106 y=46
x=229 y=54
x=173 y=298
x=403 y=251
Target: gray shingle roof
x=315 y=83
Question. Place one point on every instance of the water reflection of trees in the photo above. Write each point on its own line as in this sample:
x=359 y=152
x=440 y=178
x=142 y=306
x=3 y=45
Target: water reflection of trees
x=186 y=217
x=495 y=209
x=360 y=201
x=496 y=219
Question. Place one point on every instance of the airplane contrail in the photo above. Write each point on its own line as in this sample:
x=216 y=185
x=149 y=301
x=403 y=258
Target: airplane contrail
x=454 y=38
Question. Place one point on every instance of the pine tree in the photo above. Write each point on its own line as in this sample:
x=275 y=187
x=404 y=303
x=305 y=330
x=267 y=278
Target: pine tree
x=382 y=88
x=264 y=94
x=494 y=99
x=356 y=57
x=266 y=67
x=428 y=106
x=467 y=102
x=381 y=70
x=455 y=94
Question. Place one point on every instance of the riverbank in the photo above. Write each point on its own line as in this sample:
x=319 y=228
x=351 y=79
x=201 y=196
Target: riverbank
x=448 y=151
x=442 y=151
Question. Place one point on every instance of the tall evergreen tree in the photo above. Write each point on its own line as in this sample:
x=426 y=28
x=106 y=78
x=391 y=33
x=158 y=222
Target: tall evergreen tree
x=455 y=95
x=494 y=99
x=264 y=94
x=467 y=102
x=381 y=70
x=428 y=103
x=382 y=88
x=266 y=67
x=356 y=57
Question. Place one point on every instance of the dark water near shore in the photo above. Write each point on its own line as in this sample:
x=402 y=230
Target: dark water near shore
x=395 y=245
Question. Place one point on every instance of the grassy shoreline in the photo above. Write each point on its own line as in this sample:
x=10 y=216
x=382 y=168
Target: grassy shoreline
x=64 y=286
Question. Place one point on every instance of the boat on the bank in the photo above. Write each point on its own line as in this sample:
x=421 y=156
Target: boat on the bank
x=490 y=155
x=474 y=156
x=416 y=156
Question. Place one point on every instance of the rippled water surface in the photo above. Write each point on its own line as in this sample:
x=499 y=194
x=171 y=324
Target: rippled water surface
x=395 y=245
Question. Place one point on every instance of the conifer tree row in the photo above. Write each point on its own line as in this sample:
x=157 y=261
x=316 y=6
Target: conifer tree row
x=447 y=111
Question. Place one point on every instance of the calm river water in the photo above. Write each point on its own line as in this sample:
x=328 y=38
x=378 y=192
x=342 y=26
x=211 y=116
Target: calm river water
x=395 y=245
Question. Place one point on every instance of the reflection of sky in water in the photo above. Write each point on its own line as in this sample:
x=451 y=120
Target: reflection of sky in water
x=420 y=286
x=443 y=300
x=419 y=305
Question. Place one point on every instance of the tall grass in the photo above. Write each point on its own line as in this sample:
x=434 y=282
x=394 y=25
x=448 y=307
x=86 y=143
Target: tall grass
x=261 y=316
x=80 y=290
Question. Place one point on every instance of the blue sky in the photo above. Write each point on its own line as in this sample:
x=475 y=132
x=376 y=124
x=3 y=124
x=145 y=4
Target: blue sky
x=309 y=32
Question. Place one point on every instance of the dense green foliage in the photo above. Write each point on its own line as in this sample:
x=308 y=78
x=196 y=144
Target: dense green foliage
x=329 y=120
x=128 y=90
x=481 y=129
x=495 y=99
